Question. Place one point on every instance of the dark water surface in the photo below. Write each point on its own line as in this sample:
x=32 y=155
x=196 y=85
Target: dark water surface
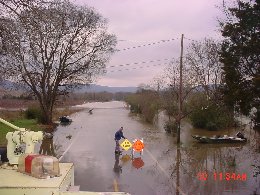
x=163 y=168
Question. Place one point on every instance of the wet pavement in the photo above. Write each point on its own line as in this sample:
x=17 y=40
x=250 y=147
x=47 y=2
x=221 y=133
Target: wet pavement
x=163 y=168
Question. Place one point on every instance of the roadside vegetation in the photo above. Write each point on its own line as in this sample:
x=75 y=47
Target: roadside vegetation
x=145 y=102
x=240 y=55
x=200 y=111
x=202 y=99
x=23 y=123
x=208 y=114
x=17 y=118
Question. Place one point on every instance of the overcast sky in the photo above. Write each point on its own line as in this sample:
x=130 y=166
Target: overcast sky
x=143 y=22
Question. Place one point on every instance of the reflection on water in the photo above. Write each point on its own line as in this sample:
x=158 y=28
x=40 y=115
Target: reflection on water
x=117 y=167
x=65 y=123
x=164 y=168
x=215 y=169
x=227 y=168
x=138 y=162
x=125 y=158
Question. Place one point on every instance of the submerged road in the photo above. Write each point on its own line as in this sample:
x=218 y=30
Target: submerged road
x=91 y=149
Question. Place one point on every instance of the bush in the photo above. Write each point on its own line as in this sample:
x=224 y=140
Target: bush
x=34 y=113
x=212 y=126
x=135 y=109
x=149 y=110
x=170 y=127
x=211 y=118
x=146 y=103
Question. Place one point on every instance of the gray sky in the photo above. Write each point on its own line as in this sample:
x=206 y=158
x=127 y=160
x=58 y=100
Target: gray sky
x=141 y=22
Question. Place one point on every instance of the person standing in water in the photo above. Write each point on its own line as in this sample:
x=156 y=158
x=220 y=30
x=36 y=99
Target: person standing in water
x=118 y=135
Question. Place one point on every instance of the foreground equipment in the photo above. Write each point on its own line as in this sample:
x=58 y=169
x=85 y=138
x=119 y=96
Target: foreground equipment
x=15 y=140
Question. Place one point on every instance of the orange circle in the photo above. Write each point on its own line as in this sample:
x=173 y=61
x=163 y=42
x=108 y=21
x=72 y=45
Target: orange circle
x=138 y=146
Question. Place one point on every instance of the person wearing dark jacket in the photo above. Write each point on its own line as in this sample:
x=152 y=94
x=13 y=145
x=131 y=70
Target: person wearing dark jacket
x=118 y=135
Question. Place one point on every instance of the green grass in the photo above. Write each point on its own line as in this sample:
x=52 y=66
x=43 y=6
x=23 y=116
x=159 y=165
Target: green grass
x=23 y=123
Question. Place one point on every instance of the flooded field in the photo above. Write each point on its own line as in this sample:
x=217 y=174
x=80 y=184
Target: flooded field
x=163 y=168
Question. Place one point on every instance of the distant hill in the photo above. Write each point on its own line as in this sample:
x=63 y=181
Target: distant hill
x=9 y=85
x=100 y=88
x=10 y=88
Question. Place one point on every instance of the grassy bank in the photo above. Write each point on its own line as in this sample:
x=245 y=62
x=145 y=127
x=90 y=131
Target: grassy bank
x=18 y=118
x=23 y=123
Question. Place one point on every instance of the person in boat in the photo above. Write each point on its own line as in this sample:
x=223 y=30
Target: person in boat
x=240 y=135
x=118 y=135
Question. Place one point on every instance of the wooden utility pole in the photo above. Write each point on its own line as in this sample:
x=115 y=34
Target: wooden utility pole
x=180 y=96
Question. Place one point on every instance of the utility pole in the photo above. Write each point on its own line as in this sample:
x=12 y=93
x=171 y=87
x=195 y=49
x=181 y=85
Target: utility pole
x=180 y=96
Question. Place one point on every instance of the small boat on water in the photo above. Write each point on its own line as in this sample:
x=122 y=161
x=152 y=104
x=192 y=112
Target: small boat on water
x=221 y=139
x=65 y=119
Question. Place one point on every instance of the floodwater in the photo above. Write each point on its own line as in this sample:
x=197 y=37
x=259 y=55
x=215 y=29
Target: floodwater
x=163 y=168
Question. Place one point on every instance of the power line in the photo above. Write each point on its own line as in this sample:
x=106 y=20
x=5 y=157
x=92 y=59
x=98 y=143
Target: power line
x=149 y=44
x=143 y=62
x=190 y=39
x=139 y=67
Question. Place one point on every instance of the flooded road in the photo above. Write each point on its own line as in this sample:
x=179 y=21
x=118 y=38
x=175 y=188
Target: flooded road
x=163 y=168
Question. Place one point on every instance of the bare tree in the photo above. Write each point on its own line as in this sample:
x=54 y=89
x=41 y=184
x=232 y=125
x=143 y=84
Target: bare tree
x=206 y=74
x=158 y=83
x=205 y=67
x=53 y=44
x=170 y=97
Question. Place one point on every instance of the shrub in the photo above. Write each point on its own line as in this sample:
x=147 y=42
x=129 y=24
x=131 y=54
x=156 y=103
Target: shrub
x=212 y=126
x=170 y=127
x=34 y=113
x=135 y=109
x=145 y=102
x=211 y=117
x=149 y=110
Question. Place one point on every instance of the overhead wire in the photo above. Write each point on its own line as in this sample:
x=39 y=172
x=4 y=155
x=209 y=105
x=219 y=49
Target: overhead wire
x=149 y=44
x=143 y=62
x=139 y=67
x=190 y=39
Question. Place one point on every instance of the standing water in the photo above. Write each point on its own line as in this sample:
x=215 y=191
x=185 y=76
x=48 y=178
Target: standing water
x=163 y=168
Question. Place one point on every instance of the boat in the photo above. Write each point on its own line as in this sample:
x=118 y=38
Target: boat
x=221 y=139
x=65 y=119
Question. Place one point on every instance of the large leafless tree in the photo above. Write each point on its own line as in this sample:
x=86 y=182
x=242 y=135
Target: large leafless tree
x=205 y=67
x=201 y=71
x=171 y=97
x=52 y=44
